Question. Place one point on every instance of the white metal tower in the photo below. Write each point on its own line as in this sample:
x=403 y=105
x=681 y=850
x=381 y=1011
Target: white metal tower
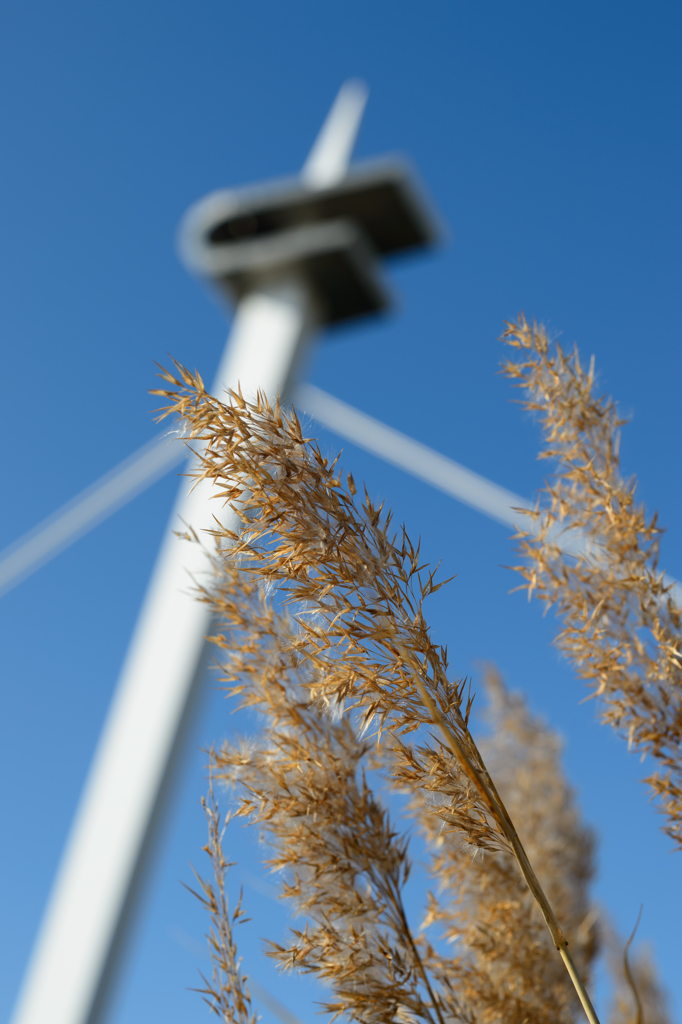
x=295 y=256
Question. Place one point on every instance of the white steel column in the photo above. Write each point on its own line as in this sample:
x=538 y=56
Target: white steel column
x=67 y=976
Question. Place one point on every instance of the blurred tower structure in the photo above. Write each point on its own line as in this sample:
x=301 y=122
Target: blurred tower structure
x=294 y=256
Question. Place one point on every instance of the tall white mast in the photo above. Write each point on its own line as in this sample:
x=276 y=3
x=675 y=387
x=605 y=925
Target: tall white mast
x=294 y=256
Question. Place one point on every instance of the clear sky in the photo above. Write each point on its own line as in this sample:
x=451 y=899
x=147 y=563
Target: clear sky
x=548 y=136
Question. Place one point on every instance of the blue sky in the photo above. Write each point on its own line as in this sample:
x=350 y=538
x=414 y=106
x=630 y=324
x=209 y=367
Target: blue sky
x=548 y=136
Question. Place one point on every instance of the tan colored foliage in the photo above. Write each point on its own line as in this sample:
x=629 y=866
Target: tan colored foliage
x=302 y=782
x=353 y=657
x=621 y=627
x=506 y=971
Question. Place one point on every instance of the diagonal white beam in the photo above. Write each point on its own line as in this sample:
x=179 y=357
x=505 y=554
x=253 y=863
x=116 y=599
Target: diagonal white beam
x=402 y=451
x=449 y=476
x=96 y=503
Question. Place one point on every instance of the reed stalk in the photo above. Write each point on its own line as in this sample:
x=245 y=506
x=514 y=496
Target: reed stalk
x=485 y=786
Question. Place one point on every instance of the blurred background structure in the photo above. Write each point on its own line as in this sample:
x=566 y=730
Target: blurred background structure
x=550 y=140
x=295 y=256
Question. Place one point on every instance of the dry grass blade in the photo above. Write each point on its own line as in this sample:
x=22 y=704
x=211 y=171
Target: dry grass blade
x=358 y=592
x=627 y=970
x=621 y=628
x=638 y=996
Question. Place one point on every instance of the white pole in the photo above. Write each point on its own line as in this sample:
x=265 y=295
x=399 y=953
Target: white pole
x=67 y=978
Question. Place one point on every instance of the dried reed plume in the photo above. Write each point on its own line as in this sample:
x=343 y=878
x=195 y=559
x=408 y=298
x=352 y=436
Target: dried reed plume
x=506 y=971
x=358 y=595
x=621 y=628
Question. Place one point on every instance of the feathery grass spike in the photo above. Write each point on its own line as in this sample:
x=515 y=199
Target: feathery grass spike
x=622 y=629
x=356 y=593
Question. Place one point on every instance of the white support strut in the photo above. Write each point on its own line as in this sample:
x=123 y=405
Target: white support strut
x=67 y=977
